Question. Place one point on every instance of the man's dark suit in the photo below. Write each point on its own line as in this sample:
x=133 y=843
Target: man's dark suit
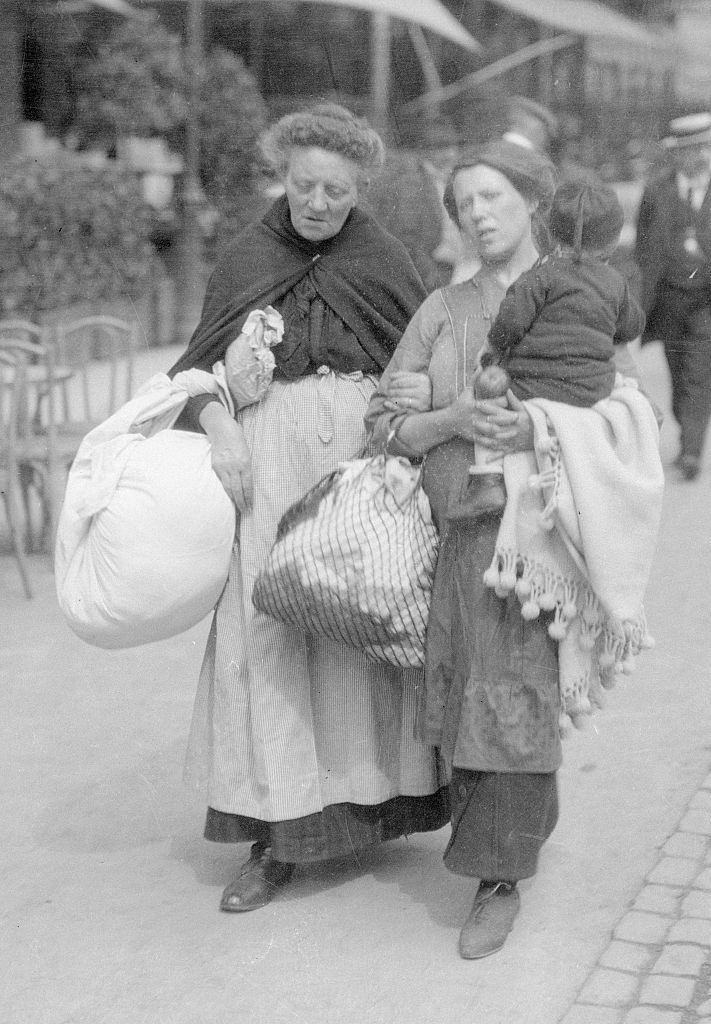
x=676 y=296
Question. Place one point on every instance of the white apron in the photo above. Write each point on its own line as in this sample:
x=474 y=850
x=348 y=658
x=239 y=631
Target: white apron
x=285 y=723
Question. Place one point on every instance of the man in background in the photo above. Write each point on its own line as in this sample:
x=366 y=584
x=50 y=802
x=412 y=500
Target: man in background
x=673 y=251
x=531 y=125
x=406 y=199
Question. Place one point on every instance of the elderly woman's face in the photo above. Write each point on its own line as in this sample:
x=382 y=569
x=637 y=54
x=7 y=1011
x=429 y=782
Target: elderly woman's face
x=322 y=189
x=492 y=213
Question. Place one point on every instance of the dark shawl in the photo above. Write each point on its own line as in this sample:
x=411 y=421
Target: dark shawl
x=363 y=274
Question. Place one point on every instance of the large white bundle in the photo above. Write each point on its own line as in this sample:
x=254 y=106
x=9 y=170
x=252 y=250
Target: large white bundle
x=146 y=529
x=354 y=561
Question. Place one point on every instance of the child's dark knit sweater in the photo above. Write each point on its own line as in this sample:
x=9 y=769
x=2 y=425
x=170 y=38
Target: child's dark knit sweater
x=557 y=326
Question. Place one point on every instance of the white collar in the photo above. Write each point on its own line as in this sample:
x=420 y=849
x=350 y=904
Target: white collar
x=697 y=183
x=519 y=140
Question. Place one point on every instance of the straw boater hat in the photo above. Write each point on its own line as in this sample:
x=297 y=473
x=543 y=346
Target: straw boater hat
x=530 y=124
x=690 y=130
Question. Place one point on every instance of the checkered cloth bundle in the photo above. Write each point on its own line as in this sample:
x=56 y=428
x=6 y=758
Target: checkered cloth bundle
x=354 y=561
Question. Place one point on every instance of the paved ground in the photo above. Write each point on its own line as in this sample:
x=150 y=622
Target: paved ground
x=110 y=909
x=656 y=968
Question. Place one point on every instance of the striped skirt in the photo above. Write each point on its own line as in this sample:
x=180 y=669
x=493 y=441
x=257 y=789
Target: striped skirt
x=285 y=723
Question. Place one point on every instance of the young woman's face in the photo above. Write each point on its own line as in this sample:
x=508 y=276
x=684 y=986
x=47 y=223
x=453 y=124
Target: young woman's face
x=492 y=213
x=322 y=189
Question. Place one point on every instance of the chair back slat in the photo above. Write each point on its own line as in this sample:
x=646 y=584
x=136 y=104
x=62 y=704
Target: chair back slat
x=14 y=358
x=22 y=330
x=12 y=402
x=30 y=412
x=102 y=349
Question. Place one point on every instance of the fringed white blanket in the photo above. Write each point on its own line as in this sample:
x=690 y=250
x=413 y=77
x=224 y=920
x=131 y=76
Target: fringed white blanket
x=579 y=534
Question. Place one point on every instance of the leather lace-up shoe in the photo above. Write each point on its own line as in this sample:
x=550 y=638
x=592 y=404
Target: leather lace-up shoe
x=496 y=905
x=258 y=880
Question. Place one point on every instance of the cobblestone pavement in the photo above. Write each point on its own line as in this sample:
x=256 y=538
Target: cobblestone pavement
x=657 y=966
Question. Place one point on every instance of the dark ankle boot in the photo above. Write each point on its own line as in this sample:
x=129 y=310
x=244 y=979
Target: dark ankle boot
x=257 y=881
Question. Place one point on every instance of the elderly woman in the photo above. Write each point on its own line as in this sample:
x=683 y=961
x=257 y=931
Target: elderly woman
x=308 y=747
x=491 y=679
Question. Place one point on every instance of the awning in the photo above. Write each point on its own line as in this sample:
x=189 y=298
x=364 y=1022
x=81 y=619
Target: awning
x=585 y=18
x=77 y=6
x=429 y=14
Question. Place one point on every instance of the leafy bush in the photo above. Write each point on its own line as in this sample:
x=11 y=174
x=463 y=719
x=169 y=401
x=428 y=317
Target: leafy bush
x=69 y=232
x=231 y=116
x=137 y=83
x=133 y=84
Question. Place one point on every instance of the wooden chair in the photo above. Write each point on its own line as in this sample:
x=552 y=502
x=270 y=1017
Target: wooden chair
x=101 y=350
x=36 y=343
x=35 y=444
x=12 y=406
x=78 y=379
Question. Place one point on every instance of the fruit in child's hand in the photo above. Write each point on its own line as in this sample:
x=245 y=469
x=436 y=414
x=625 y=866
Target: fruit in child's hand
x=492 y=382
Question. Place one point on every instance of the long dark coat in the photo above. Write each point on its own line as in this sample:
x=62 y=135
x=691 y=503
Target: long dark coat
x=659 y=246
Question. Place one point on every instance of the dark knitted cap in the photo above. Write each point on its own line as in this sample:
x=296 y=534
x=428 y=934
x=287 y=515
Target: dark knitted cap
x=586 y=215
x=530 y=173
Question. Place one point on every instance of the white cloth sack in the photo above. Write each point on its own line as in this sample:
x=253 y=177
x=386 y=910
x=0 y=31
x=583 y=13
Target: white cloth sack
x=354 y=561
x=146 y=529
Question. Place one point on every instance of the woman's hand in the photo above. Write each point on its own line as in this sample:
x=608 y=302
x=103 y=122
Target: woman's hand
x=231 y=458
x=409 y=392
x=503 y=428
x=501 y=424
x=232 y=464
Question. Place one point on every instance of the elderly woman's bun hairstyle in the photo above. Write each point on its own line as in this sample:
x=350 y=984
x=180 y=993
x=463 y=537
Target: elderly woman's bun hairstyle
x=324 y=126
x=530 y=173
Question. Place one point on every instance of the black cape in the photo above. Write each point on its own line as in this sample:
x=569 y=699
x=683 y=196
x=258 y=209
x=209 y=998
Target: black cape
x=363 y=273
